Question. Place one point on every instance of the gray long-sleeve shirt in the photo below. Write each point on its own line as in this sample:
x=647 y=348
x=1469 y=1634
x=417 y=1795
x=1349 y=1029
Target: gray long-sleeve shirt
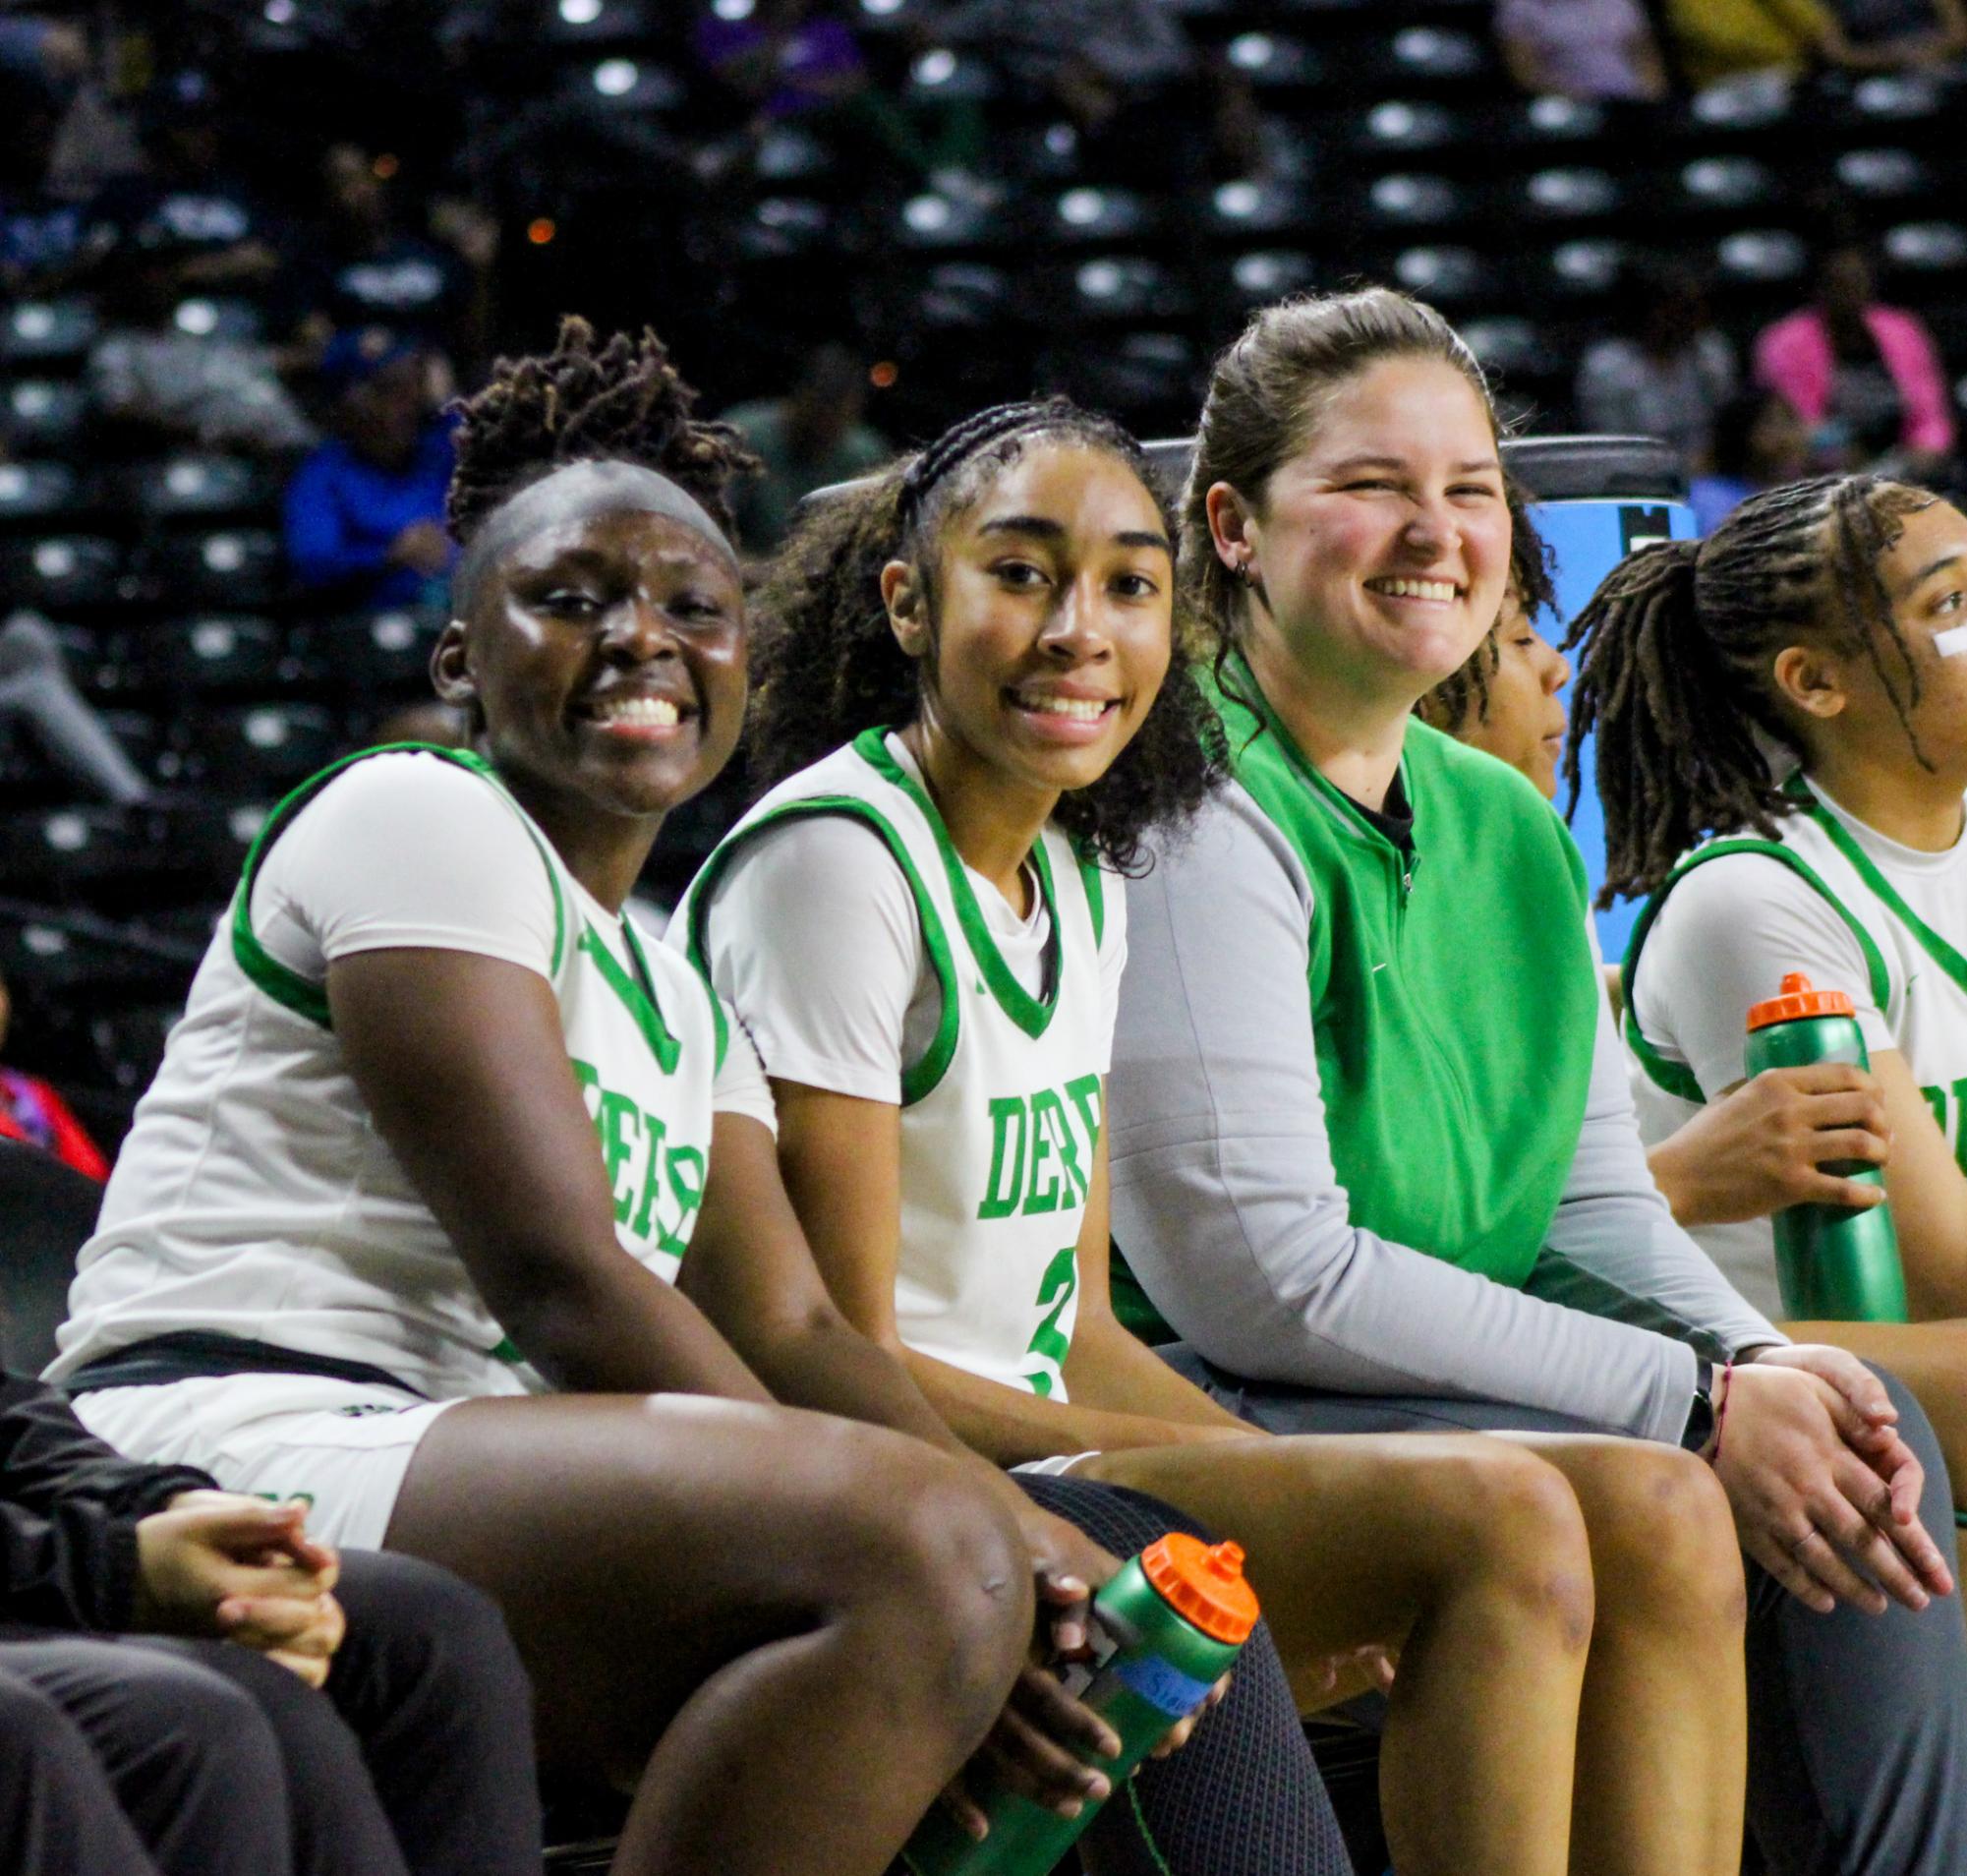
x=1228 y=1209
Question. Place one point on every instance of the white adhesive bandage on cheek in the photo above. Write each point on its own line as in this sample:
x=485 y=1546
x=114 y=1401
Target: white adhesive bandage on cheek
x=1952 y=642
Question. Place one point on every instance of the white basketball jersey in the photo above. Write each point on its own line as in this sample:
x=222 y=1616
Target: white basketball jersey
x=254 y=1198
x=1002 y=1113
x=1912 y=934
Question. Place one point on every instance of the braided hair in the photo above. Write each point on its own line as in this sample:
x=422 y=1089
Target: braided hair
x=825 y=666
x=1466 y=692
x=623 y=401
x=1674 y=666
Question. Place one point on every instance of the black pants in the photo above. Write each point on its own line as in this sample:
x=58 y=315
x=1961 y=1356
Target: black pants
x=1857 y=1722
x=1243 y=1797
x=125 y=1756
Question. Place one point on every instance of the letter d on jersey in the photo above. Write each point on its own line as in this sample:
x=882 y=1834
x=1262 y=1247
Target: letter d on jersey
x=1004 y=1189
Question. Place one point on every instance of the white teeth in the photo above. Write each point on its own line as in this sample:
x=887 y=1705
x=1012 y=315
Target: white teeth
x=1080 y=709
x=1443 y=590
x=658 y=713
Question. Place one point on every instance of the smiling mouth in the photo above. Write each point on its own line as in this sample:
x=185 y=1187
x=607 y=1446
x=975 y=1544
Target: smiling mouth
x=1071 y=709
x=636 y=712
x=1441 y=592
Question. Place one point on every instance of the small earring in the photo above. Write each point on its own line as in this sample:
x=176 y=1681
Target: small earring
x=1245 y=577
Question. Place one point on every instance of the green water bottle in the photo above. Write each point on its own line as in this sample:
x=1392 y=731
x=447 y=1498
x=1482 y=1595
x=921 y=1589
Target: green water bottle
x=1834 y=1262
x=1165 y=1631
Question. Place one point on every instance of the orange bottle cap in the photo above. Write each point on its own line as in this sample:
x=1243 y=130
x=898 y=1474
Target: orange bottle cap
x=1203 y=1583
x=1798 y=999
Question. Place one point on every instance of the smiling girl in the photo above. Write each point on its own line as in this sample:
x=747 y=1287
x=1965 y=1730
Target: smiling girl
x=977 y=694
x=441 y=1131
x=1817 y=640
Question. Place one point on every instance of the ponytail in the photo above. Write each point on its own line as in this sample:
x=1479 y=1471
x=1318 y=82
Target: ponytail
x=1675 y=651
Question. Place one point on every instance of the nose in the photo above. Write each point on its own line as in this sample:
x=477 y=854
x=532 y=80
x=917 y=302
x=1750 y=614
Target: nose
x=639 y=631
x=1556 y=669
x=1433 y=525
x=1074 y=630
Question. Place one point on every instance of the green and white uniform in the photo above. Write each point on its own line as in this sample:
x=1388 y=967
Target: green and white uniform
x=866 y=959
x=254 y=1199
x=1835 y=900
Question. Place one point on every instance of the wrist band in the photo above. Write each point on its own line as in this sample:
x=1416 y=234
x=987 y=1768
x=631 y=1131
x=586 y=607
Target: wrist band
x=1721 y=1412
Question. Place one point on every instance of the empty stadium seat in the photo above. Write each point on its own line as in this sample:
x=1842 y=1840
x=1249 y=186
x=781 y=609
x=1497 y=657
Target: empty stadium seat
x=1455 y=275
x=43 y=412
x=366 y=651
x=196 y=484
x=61 y=571
x=1123 y=288
x=942 y=73
x=962 y=293
x=1264 y=275
x=1410 y=199
x=38 y=492
x=933 y=219
x=68 y=845
x=208 y=317
x=217 y=655
x=47 y=330
x=1271 y=61
x=1239 y=210
x=784 y=228
x=270 y=744
x=1101 y=215
x=228 y=566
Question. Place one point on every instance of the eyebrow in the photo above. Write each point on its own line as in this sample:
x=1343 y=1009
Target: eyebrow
x=1372 y=461
x=1046 y=529
x=1926 y=572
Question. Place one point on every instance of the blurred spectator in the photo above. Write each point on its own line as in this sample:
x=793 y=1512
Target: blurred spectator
x=35 y=689
x=184 y=203
x=1865 y=378
x=153 y=377
x=364 y=513
x=1671 y=371
x=1918 y=31
x=365 y=270
x=795 y=59
x=1580 y=48
x=31 y=1112
x=1720 y=39
x=1760 y=442
x=47 y=242
x=814 y=437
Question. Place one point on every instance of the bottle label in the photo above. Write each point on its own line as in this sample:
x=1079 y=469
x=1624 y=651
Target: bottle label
x=1168 y=1688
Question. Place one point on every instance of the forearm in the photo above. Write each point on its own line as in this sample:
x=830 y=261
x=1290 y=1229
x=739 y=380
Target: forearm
x=1009 y=1426
x=827 y=1365
x=1108 y=1365
x=616 y=1328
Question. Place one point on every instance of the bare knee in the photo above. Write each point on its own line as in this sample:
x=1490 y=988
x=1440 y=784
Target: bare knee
x=951 y=1570
x=1512 y=1528
x=1664 y=1541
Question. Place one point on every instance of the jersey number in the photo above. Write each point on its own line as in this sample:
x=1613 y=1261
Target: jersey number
x=1049 y=1343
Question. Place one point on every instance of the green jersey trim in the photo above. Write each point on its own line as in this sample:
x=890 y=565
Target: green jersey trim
x=919 y=1078
x=289 y=987
x=1839 y=836
x=1675 y=1077
x=639 y=999
x=1032 y=1014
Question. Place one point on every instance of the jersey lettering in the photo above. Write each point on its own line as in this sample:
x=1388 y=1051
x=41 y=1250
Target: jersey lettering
x=658 y=1187
x=1059 y=1132
x=1947 y=1104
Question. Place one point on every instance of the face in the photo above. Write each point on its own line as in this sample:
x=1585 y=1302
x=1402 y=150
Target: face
x=1926 y=575
x=1054 y=617
x=1525 y=723
x=384 y=414
x=607 y=652
x=1382 y=547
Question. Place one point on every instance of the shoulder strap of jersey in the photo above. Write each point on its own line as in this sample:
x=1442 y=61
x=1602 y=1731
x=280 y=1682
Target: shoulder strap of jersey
x=289 y=987
x=1882 y=889
x=922 y=1076
x=1675 y=1076
x=1032 y=1014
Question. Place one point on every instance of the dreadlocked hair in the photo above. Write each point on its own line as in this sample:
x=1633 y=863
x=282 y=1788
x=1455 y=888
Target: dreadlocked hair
x=1674 y=663
x=1465 y=692
x=621 y=401
x=825 y=666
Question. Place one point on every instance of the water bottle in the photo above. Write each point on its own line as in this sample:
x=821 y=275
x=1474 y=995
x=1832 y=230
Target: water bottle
x=1164 y=1631
x=1834 y=1262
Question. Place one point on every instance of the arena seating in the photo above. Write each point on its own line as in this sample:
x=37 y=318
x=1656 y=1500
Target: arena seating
x=1110 y=267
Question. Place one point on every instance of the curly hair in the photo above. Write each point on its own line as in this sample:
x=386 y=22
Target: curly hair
x=826 y=665
x=623 y=401
x=1674 y=663
x=1533 y=585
